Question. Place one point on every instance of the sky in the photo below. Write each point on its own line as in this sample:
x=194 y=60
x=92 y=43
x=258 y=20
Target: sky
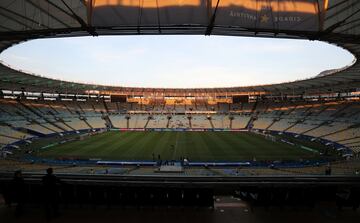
x=175 y=61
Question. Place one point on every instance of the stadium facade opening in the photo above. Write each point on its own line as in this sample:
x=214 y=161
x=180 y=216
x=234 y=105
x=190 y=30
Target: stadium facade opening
x=176 y=61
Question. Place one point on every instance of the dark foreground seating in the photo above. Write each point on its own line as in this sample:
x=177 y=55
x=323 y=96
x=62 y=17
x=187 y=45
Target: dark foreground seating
x=153 y=191
x=81 y=194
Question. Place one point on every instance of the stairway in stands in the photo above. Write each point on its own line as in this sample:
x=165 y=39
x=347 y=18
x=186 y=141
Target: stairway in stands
x=24 y=115
x=342 y=130
x=250 y=122
x=40 y=115
x=147 y=122
x=279 y=116
x=253 y=117
x=273 y=122
x=302 y=119
x=86 y=122
x=168 y=121
x=107 y=120
x=105 y=106
x=67 y=125
x=339 y=112
x=334 y=116
x=190 y=123
x=211 y=123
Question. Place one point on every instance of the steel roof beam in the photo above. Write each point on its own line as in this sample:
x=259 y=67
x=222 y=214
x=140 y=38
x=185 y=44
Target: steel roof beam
x=23 y=17
x=83 y=24
x=15 y=20
x=342 y=10
x=6 y=28
x=210 y=27
x=351 y=27
x=60 y=9
x=47 y=13
x=337 y=4
x=339 y=24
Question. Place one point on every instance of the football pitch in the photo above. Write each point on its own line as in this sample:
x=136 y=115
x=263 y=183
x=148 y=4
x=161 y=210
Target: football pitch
x=196 y=146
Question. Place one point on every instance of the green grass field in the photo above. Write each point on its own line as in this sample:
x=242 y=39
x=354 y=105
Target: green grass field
x=198 y=146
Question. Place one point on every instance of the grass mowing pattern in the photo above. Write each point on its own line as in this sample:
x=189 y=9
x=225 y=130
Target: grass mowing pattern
x=198 y=146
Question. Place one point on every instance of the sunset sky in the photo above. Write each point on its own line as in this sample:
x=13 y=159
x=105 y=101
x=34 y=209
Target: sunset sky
x=175 y=61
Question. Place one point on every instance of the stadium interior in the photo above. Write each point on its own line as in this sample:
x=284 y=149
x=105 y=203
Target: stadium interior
x=294 y=144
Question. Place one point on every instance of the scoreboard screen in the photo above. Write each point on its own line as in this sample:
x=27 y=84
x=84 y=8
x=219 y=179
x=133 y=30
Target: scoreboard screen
x=241 y=99
x=118 y=98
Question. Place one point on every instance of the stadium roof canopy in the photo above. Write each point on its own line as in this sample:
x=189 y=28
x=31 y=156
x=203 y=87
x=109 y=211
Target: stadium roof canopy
x=333 y=21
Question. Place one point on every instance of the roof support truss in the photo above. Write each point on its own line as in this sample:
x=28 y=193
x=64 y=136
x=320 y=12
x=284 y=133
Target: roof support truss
x=24 y=17
x=83 y=24
x=37 y=6
x=212 y=20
